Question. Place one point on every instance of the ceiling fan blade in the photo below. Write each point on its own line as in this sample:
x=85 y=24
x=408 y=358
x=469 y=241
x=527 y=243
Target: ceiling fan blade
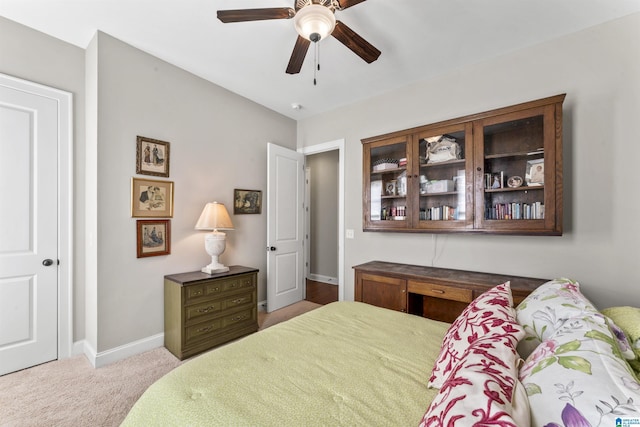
x=243 y=15
x=297 y=56
x=348 y=3
x=357 y=44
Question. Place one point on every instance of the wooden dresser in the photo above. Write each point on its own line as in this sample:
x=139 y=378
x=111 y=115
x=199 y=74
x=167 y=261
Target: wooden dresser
x=202 y=311
x=436 y=293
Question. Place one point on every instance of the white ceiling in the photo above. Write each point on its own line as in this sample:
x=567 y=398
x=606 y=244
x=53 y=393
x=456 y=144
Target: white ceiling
x=419 y=39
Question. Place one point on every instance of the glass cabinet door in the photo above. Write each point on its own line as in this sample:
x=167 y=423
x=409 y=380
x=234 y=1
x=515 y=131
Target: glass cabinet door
x=517 y=171
x=387 y=206
x=444 y=185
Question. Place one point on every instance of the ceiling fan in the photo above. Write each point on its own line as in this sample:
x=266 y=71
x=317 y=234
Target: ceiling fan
x=314 y=20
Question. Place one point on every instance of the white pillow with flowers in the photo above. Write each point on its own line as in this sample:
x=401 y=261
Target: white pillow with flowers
x=547 y=308
x=577 y=377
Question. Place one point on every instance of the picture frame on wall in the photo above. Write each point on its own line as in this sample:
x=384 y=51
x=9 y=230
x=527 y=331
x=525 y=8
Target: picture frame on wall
x=153 y=237
x=152 y=157
x=151 y=198
x=247 y=201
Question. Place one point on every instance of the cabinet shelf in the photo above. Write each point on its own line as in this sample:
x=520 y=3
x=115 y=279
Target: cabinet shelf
x=523 y=141
x=446 y=163
x=447 y=193
x=509 y=189
x=516 y=154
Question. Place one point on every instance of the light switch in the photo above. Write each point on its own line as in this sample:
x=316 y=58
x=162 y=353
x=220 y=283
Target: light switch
x=349 y=233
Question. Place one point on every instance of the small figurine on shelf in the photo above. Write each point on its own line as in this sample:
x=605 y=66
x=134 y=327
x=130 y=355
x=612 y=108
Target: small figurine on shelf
x=497 y=180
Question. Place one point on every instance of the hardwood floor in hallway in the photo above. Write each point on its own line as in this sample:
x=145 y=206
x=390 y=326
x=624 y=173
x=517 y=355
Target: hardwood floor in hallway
x=321 y=293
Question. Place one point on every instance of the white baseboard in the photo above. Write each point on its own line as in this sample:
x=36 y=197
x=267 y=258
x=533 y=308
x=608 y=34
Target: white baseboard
x=323 y=279
x=107 y=357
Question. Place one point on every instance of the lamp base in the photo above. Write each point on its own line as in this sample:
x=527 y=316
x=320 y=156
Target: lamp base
x=213 y=270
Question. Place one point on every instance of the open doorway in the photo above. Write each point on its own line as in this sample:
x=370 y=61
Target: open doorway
x=324 y=221
x=321 y=220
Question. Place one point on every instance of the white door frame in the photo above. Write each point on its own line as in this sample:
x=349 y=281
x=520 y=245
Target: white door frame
x=65 y=204
x=321 y=148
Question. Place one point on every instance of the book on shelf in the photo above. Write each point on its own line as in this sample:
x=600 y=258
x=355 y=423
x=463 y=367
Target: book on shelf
x=439 y=213
x=502 y=211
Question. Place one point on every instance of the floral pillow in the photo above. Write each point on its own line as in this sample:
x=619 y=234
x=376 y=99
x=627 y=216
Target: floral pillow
x=621 y=339
x=628 y=319
x=489 y=314
x=578 y=377
x=547 y=308
x=482 y=388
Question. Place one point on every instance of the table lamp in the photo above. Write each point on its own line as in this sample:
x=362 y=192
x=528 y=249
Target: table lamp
x=214 y=217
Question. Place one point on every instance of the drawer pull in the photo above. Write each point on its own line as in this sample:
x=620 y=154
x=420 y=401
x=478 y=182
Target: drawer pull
x=207 y=309
x=437 y=291
x=237 y=318
x=238 y=300
x=207 y=329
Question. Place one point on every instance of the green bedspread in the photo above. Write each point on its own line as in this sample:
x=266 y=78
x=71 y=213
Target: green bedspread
x=344 y=364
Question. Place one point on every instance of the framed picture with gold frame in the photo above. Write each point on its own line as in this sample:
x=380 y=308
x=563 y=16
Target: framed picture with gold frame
x=151 y=198
x=153 y=237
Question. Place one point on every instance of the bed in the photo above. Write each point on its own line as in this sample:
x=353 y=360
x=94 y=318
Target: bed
x=350 y=363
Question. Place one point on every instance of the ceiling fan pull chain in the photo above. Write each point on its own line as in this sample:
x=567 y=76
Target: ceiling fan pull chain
x=316 y=65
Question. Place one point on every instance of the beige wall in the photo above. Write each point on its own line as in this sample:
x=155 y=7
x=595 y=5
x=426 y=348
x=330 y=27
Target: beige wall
x=324 y=213
x=218 y=143
x=599 y=69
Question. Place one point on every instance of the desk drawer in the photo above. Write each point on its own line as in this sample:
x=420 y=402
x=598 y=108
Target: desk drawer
x=440 y=291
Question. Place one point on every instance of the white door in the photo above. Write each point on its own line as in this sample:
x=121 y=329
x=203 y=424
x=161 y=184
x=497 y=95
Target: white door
x=285 y=227
x=28 y=229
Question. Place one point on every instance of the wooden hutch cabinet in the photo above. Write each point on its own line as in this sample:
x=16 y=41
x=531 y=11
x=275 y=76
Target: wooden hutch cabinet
x=505 y=176
x=436 y=293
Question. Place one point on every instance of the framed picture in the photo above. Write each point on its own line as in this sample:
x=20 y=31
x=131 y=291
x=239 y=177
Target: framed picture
x=514 y=181
x=152 y=157
x=390 y=188
x=154 y=237
x=535 y=172
x=151 y=198
x=247 y=201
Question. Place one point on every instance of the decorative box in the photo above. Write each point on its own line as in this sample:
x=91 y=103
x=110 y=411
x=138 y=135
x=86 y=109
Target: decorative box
x=440 y=186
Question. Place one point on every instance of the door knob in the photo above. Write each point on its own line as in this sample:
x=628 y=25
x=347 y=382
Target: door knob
x=271 y=248
x=47 y=262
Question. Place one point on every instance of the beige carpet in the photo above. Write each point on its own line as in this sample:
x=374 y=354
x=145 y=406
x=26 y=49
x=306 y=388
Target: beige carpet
x=72 y=393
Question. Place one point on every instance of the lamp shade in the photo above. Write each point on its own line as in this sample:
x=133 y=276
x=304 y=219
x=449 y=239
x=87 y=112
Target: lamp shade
x=314 y=22
x=214 y=217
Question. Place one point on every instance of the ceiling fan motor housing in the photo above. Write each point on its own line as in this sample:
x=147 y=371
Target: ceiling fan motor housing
x=314 y=22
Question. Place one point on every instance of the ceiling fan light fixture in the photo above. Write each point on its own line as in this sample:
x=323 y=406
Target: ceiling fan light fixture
x=314 y=22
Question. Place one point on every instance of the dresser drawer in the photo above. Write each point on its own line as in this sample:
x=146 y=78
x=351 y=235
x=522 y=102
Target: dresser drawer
x=440 y=291
x=217 y=287
x=193 y=313
x=209 y=328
